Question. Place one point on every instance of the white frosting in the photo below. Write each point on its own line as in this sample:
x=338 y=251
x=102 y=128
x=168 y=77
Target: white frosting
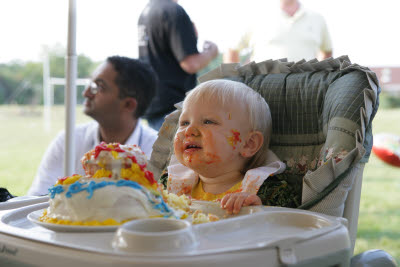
x=119 y=203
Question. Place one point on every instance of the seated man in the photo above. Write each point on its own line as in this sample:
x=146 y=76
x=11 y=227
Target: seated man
x=117 y=97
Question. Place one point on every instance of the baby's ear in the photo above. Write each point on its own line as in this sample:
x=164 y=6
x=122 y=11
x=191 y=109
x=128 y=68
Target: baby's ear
x=252 y=144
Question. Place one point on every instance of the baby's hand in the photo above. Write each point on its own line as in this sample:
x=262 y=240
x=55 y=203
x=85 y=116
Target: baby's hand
x=234 y=202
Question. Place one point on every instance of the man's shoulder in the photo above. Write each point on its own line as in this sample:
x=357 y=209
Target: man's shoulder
x=81 y=130
x=172 y=10
x=313 y=15
x=86 y=126
x=149 y=132
x=164 y=7
x=85 y=129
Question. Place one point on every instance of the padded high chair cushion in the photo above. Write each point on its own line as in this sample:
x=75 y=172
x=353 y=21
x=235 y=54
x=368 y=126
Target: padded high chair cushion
x=321 y=113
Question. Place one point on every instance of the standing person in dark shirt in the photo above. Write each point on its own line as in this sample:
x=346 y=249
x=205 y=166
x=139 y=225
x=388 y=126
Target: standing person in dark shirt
x=168 y=41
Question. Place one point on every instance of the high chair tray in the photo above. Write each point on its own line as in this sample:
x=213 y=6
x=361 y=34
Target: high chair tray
x=18 y=202
x=289 y=235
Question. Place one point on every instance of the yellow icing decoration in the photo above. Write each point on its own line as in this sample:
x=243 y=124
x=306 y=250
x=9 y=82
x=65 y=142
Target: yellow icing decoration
x=107 y=222
x=111 y=145
x=115 y=154
x=72 y=179
x=134 y=173
x=68 y=180
x=102 y=173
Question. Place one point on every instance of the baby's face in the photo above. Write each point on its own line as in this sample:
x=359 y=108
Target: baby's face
x=209 y=138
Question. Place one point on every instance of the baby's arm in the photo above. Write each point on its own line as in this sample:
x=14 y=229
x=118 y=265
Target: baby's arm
x=235 y=201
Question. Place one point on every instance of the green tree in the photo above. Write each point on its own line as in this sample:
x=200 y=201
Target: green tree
x=56 y=55
x=22 y=82
x=19 y=82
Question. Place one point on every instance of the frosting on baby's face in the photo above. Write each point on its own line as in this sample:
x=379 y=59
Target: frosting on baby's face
x=210 y=137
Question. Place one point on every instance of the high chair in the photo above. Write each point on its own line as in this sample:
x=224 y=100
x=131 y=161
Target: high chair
x=321 y=113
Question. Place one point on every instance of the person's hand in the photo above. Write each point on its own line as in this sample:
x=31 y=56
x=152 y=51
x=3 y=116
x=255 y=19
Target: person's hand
x=235 y=201
x=211 y=48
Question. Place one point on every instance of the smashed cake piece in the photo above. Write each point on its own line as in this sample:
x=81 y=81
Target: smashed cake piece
x=117 y=161
x=181 y=202
x=199 y=217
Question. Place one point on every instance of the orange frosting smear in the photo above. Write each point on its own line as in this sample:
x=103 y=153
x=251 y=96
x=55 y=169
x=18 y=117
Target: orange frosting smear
x=234 y=138
x=213 y=158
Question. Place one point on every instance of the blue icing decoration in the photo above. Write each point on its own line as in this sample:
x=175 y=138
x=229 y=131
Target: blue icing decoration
x=55 y=190
x=162 y=206
x=75 y=188
x=159 y=204
x=93 y=186
x=129 y=183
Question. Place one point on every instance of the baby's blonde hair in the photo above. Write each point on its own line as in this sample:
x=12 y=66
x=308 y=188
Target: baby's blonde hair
x=225 y=92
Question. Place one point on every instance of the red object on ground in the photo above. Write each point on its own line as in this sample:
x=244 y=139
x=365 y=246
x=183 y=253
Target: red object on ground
x=387 y=148
x=387 y=156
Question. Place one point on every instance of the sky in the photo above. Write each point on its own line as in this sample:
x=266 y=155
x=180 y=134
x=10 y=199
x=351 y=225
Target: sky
x=362 y=29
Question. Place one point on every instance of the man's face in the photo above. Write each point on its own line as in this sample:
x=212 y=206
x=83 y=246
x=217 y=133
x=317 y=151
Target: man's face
x=105 y=104
x=209 y=138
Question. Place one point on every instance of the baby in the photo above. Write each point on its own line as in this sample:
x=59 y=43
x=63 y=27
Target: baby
x=222 y=145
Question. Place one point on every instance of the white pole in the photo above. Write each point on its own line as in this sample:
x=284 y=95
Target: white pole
x=46 y=93
x=70 y=91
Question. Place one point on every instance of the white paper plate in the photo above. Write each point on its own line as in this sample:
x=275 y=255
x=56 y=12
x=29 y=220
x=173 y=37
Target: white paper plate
x=205 y=206
x=215 y=208
x=34 y=217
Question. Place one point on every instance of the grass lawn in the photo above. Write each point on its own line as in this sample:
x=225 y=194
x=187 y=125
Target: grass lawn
x=24 y=141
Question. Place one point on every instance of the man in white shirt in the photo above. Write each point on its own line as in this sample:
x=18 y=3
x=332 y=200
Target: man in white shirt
x=119 y=94
x=295 y=33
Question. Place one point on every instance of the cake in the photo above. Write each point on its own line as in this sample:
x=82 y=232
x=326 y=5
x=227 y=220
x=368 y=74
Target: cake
x=117 y=188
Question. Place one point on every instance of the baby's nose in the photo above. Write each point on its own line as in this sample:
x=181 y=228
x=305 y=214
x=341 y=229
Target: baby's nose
x=192 y=130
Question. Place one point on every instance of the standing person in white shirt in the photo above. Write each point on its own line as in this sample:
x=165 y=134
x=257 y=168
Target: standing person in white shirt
x=119 y=94
x=295 y=33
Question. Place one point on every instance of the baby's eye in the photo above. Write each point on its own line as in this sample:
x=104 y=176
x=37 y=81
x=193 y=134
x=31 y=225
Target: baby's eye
x=207 y=121
x=184 y=123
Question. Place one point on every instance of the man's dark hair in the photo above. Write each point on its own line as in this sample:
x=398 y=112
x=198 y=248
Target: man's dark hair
x=135 y=78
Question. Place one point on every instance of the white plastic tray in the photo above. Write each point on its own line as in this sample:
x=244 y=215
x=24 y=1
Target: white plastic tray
x=261 y=229
x=255 y=229
x=18 y=202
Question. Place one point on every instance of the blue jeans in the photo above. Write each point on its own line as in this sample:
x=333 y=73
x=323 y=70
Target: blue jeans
x=156 y=123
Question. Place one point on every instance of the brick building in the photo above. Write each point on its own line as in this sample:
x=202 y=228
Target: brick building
x=389 y=79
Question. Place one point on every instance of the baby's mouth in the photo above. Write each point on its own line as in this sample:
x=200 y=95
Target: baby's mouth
x=192 y=147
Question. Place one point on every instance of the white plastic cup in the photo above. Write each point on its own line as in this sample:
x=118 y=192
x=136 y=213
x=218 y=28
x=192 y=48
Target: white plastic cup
x=158 y=234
